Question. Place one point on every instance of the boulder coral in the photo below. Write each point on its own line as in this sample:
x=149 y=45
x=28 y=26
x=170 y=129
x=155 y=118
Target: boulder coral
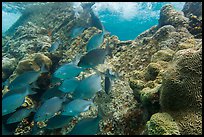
x=162 y=124
x=181 y=91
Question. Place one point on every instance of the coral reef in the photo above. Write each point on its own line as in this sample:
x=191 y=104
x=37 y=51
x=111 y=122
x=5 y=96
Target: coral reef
x=159 y=73
x=162 y=124
x=8 y=66
x=181 y=92
x=168 y=16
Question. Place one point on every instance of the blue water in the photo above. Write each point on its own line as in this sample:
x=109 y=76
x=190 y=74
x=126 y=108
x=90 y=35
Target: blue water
x=129 y=19
x=126 y=20
x=8 y=19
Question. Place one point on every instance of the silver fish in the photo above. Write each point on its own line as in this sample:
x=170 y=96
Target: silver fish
x=58 y=121
x=69 y=85
x=95 y=41
x=94 y=57
x=19 y=115
x=11 y=102
x=67 y=71
x=88 y=87
x=48 y=109
x=54 y=46
x=26 y=78
x=75 y=107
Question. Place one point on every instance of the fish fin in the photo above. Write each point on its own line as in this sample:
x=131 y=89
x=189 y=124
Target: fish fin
x=43 y=69
x=105 y=32
x=98 y=72
x=29 y=91
x=34 y=85
x=77 y=58
x=109 y=49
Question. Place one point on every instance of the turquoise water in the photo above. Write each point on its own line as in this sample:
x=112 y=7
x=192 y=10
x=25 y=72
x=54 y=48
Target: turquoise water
x=126 y=20
x=129 y=19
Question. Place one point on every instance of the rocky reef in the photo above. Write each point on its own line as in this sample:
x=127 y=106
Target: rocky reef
x=158 y=91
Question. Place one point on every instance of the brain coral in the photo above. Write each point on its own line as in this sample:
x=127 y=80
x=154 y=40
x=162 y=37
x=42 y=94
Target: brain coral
x=162 y=124
x=181 y=91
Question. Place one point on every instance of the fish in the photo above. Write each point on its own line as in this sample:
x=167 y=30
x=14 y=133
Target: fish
x=68 y=71
x=75 y=107
x=94 y=57
x=55 y=81
x=26 y=78
x=88 y=87
x=95 y=41
x=69 y=85
x=48 y=109
x=95 y=21
x=88 y=126
x=76 y=31
x=109 y=77
x=19 y=90
x=58 y=121
x=19 y=115
x=107 y=85
x=52 y=92
x=11 y=102
x=54 y=46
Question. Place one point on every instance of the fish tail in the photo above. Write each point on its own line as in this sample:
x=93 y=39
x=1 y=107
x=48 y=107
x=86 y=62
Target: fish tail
x=108 y=49
x=43 y=69
x=29 y=91
x=101 y=113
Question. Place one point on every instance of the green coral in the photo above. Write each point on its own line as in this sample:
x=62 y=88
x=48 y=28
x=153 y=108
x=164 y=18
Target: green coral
x=152 y=71
x=181 y=91
x=163 y=55
x=148 y=95
x=162 y=124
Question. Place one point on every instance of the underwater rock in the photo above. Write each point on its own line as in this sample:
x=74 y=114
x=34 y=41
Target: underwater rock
x=163 y=55
x=33 y=62
x=163 y=32
x=181 y=91
x=152 y=71
x=162 y=124
x=194 y=8
x=149 y=96
x=169 y=16
x=8 y=66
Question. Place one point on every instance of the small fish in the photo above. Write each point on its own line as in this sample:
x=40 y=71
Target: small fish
x=94 y=57
x=55 y=81
x=11 y=102
x=88 y=87
x=26 y=78
x=108 y=80
x=95 y=21
x=19 y=90
x=88 y=126
x=52 y=92
x=76 y=31
x=58 y=121
x=54 y=46
x=68 y=71
x=69 y=85
x=48 y=109
x=19 y=115
x=108 y=85
x=95 y=41
x=75 y=107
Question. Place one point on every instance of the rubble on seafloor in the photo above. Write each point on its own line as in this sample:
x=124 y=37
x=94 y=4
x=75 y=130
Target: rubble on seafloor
x=159 y=86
